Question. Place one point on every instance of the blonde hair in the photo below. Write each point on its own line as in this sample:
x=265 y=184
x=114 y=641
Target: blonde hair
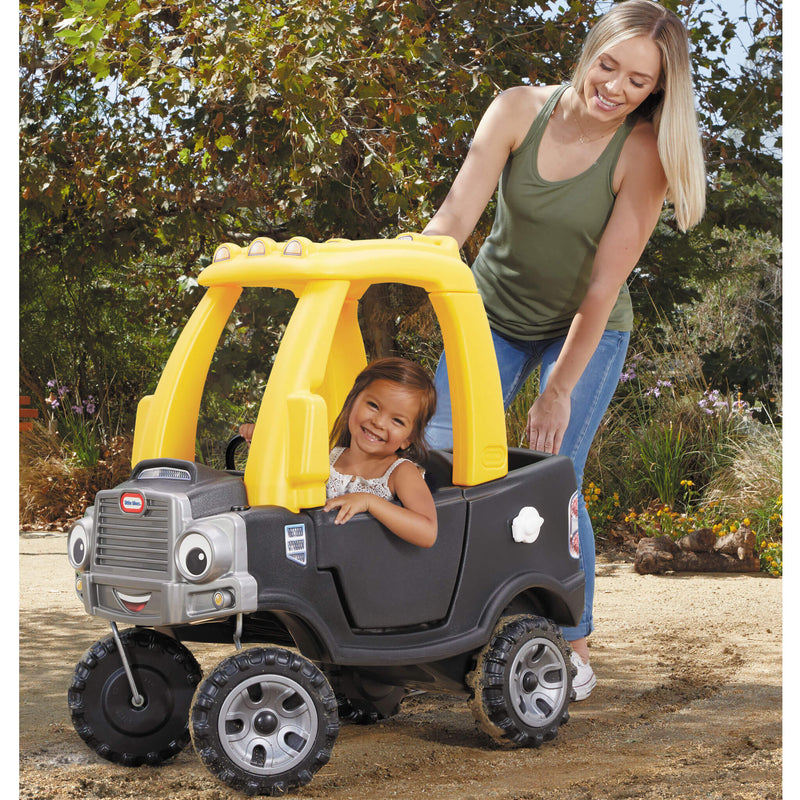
x=671 y=108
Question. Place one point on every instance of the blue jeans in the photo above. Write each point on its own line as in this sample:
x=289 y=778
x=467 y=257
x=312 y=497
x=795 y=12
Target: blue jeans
x=590 y=398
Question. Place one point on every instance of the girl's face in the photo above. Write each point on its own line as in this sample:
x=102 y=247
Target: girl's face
x=382 y=419
x=621 y=78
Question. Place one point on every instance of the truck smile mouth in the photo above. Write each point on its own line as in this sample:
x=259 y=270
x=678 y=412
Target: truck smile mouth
x=132 y=602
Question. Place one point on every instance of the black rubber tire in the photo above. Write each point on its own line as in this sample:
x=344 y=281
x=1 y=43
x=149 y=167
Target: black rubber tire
x=264 y=721
x=234 y=443
x=522 y=683
x=165 y=672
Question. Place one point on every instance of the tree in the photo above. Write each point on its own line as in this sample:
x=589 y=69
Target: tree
x=151 y=131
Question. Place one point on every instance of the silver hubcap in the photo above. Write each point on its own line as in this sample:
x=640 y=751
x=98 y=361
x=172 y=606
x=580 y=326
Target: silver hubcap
x=268 y=724
x=538 y=682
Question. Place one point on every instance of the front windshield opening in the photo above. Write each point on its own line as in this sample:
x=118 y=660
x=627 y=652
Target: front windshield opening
x=395 y=319
x=240 y=370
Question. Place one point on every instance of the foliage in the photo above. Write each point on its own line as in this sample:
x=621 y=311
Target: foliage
x=150 y=131
x=662 y=452
x=680 y=459
x=737 y=64
x=53 y=488
x=77 y=422
x=602 y=508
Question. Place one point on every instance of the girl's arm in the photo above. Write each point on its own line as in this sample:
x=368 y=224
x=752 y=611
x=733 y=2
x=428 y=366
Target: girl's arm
x=415 y=521
x=501 y=130
x=636 y=211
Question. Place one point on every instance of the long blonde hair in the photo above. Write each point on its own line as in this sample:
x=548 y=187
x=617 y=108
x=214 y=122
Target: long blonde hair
x=671 y=109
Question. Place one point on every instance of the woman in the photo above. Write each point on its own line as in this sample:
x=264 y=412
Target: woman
x=583 y=172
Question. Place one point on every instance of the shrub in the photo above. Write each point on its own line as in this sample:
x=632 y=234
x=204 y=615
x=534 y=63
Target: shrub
x=53 y=488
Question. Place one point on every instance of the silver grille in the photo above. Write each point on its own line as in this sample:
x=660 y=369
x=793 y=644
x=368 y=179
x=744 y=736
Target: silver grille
x=133 y=542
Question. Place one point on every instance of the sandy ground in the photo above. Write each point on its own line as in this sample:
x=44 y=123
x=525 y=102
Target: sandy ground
x=688 y=705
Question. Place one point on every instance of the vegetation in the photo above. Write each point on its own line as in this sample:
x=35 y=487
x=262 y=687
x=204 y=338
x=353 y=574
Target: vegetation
x=150 y=131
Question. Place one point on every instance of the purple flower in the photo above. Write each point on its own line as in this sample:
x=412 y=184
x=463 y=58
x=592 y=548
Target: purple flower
x=90 y=407
x=655 y=391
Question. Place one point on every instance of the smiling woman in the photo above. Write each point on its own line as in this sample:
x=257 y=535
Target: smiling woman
x=581 y=172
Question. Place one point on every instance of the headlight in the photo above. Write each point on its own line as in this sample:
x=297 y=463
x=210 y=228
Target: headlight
x=78 y=545
x=204 y=553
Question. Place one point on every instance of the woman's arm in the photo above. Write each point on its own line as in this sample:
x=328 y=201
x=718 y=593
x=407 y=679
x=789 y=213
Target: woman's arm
x=415 y=521
x=636 y=211
x=500 y=131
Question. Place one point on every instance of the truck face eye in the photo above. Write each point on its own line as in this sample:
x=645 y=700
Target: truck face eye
x=195 y=556
x=204 y=554
x=78 y=546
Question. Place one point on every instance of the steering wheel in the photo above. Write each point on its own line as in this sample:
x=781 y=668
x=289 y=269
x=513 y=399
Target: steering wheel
x=234 y=443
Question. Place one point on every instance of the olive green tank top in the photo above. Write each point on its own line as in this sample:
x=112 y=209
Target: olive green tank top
x=533 y=269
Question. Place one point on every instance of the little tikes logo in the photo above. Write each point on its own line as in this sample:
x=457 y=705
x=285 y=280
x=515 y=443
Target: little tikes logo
x=131 y=502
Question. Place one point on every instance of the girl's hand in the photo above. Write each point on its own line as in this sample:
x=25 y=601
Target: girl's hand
x=548 y=418
x=349 y=504
x=246 y=431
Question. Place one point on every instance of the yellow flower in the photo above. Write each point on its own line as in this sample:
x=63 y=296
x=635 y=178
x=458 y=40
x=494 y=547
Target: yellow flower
x=746 y=521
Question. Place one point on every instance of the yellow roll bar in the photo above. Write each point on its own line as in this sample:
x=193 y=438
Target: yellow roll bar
x=321 y=353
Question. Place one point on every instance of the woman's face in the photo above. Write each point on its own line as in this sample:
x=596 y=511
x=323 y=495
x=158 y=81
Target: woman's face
x=621 y=78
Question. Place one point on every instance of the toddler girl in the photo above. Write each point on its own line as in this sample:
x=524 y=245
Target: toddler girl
x=379 y=429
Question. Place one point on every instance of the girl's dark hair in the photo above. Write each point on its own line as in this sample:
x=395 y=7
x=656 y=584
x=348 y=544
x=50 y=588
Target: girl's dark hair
x=407 y=374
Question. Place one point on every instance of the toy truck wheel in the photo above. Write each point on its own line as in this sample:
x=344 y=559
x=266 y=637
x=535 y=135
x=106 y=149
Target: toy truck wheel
x=101 y=701
x=522 y=682
x=264 y=721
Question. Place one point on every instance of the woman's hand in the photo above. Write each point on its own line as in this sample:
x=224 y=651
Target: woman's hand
x=548 y=418
x=246 y=431
x=349 y=504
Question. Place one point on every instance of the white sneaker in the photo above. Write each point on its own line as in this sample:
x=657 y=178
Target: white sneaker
x=585 y=680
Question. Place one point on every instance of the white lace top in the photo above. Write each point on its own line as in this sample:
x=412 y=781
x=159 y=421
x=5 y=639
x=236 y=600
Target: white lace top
x=339 y=484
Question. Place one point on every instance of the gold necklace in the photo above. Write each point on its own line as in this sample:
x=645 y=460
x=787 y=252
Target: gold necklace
x=582 y=135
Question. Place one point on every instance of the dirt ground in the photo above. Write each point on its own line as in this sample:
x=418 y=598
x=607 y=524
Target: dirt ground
x=688 y=705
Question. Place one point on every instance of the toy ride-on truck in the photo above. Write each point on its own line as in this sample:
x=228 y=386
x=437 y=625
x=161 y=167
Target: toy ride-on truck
x=339 y=621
